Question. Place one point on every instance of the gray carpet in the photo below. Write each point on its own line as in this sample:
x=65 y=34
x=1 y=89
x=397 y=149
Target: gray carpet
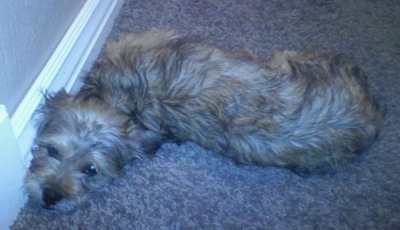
x=187 y=187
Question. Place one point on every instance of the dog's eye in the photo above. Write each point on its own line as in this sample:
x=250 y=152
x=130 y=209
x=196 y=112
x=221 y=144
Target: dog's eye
x=89 y=169
x=53 y=152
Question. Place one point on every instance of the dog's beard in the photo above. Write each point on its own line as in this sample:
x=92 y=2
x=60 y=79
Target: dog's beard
x=36 y=194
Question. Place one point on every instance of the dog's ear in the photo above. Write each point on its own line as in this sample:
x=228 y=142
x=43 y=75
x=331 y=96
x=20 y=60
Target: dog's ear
x=122 y=149
x=143 y=142
x=49 y=108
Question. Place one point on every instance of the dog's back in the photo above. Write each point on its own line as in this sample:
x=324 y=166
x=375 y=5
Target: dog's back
x=307 y=112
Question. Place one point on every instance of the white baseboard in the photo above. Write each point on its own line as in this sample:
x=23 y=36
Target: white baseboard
x=11 y=173
x=77 y=50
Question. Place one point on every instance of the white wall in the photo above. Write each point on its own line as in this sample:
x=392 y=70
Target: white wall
x=29 y=32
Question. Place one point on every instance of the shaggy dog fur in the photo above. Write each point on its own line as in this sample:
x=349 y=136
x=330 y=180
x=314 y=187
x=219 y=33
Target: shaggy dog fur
x=306 y=112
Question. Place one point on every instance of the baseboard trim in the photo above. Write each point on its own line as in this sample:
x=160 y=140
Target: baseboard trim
x=11 y=173
x=78 y=48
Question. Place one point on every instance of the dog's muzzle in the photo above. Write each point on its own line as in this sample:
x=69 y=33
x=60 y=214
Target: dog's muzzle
x=50 y=197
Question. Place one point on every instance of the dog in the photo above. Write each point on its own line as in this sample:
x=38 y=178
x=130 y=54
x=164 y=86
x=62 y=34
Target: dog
x=306 y=112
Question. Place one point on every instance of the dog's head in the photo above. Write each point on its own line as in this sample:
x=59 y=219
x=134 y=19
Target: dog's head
x=80 y=145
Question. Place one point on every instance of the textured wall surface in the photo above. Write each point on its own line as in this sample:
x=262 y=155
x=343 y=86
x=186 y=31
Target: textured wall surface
x=29 y=32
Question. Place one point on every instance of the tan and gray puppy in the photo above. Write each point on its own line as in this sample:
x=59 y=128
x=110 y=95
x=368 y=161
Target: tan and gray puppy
x=305 y=112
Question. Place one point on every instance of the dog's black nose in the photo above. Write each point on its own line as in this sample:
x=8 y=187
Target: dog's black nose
x=51 y=197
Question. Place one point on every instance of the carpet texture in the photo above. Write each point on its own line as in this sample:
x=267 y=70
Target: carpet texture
x=188 y=187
